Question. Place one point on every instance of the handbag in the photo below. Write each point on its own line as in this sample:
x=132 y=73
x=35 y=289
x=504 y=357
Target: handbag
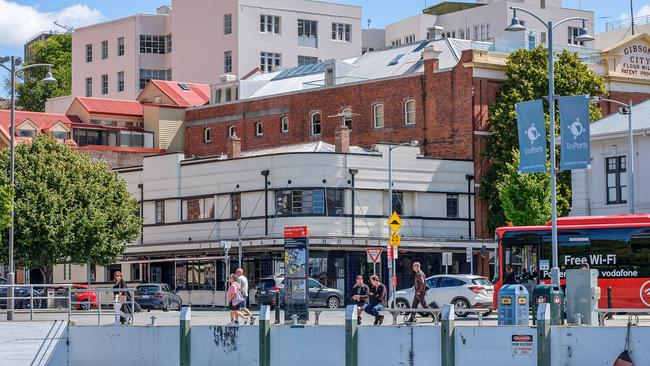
x=238 y=298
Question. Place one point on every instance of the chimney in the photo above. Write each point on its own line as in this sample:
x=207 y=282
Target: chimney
x=234 y=147
x=342 y=139
x=431 y=58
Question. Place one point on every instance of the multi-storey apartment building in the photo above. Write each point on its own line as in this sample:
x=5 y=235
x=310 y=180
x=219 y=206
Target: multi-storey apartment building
x=201 y=40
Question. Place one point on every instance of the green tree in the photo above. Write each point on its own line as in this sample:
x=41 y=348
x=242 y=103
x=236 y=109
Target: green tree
x=68 y=208
x=31 y=91
x=527 y=79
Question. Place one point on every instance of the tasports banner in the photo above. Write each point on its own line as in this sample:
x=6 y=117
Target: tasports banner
x=532 y=136
x=574 y=127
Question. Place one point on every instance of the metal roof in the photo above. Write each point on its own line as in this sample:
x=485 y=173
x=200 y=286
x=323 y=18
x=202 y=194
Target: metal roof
x=617 y=123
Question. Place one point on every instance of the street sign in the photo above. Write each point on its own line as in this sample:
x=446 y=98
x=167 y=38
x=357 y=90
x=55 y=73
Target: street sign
x=395 y=240
x=389 y=253
x=468 y=255
x=395 y=222
x=374 y=254
x=446 y=259
x=227 y=245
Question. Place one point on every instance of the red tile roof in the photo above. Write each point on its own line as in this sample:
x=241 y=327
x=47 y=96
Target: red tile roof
x=43 y=121
x=111 y=106
x=198 y=95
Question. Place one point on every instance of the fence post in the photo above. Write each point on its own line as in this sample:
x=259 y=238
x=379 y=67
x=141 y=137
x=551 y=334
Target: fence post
x=185 y=337
x=447 y=335
x=543 y=335
x=351 y=341
x=265 y=336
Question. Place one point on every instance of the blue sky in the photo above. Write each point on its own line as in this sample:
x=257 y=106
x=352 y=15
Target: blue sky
x=41 y=13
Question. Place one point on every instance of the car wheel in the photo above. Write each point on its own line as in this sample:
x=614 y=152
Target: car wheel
x=333 y=302
x=461 y=304
x=402 y=304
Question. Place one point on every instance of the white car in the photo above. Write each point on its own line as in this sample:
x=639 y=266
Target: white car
x=463 y=291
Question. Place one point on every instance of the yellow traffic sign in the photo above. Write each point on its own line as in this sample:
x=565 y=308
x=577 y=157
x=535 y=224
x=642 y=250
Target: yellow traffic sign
x=395 y=240
x=395 y=222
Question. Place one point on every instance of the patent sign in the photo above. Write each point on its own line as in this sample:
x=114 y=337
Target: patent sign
x=532 y=136
x=574 y=127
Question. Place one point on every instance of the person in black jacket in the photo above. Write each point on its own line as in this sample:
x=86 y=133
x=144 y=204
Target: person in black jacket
x=376 y=299
x=124 y=297
x=360 y=296
x=509 y=278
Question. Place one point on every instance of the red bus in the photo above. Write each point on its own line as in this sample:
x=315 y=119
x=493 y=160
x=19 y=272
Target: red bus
x=617 y=246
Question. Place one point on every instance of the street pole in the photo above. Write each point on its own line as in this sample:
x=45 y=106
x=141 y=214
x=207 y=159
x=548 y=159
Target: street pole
x=11 y=275
x=630 y=159
x=391 y=271
x=555 y=271
x=239 y=241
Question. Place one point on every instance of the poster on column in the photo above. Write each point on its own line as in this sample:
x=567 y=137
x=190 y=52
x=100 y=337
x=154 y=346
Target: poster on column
x=574 y=131
x=532 y=136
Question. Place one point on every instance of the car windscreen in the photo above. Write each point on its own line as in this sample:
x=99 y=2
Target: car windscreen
x=148 y=289
x=482 y=282
x=266 y=283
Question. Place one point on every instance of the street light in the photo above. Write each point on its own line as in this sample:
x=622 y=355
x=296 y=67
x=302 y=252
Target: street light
x=627 y=109
x=412 y=143
x=583 y=36
x=14 y=68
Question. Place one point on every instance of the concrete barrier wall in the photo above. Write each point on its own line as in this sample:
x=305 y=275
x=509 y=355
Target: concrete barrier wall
x=399 y=346
x=311 y=346
x=596 y=346
x=477 y=344
x=33 y=343
x=218 y=345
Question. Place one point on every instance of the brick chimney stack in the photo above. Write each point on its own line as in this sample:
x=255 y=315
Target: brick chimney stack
x=234 y=147
x=342 y=139
x=431 y=58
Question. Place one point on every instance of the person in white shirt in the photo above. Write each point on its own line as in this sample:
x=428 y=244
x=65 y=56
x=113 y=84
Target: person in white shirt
x=243 y=284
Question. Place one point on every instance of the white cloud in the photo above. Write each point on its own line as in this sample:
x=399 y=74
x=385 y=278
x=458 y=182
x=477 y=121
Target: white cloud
x=20 y=22
x=644 y=11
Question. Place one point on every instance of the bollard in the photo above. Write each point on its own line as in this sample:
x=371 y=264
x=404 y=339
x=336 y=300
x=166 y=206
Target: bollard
x=277 y=307
x=447 y=332
x=351 y=340
x=265 y=336
x=543 y=335
x=186 y=337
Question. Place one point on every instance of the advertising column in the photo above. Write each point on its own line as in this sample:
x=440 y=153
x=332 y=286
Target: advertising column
x=296 y=273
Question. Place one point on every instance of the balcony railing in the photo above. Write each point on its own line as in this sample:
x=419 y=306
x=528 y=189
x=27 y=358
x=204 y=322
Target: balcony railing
x=311 y=42
x=587 y=55
x=627 y=23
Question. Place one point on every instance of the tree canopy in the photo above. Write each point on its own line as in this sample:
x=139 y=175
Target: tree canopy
x=68 y=208
x=31 y=91
x=527 y=79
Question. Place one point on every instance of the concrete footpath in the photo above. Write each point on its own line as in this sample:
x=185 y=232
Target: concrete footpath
x=32 y=343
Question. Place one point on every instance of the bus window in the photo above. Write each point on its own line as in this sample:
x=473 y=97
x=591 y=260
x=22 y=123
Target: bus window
x=521 y=251
x=641 y=255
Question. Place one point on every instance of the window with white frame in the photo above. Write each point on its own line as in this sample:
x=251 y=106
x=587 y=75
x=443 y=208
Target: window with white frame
x=574 y=32
x=152 y=44
x=346 y=118
x=104 y=50
x=146 y=75
x=89 y=87
x=89 y=53
x=120 y=46
x=231 y=131
x=207 y=135
x=307 y=33
x=227 y=23
x=269 y=60
x=409 y=112
x=160 y=212
x=616 y=168
x=315 y=124
x=227 y=62
x=269 y=24
x=120 y=81
x=307 y=60
x=378 y=115
x=410 y=38
x=259 y=129
x=104 y=84
x=168 y=43
x=341 y=32
x=284 y=124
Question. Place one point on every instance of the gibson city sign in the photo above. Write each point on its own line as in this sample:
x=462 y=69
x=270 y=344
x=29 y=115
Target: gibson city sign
x=636 y=61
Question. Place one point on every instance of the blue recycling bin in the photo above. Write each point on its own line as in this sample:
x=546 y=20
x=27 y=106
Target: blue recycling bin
x=513 y=305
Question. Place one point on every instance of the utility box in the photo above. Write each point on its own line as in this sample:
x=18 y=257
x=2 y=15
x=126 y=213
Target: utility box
x=552 y=295
x=582 y=295
x=513 y=305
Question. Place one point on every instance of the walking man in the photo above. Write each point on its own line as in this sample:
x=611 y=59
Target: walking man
x=376 y=299
x=420 y=287
x=243 y=285
x=360 y=296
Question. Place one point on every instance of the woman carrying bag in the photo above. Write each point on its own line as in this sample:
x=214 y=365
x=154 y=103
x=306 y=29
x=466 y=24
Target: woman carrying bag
x=235 y=299
x=123 y=311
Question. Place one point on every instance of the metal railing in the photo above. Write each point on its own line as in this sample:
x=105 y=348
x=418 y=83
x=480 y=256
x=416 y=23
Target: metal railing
x=67 y=302
x=632 y=314
x=627 y=23
x=395 y=313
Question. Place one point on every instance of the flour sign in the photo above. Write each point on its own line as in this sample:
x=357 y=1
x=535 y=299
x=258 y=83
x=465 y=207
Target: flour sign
x=635 y=60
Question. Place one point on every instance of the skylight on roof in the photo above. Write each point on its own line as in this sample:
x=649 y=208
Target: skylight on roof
x=300 y=71
x=421 y=46
x=184 y=86
x=395 y=60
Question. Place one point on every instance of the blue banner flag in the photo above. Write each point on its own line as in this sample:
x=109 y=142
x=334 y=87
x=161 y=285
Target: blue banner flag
x=532 y=136
x=574 y=131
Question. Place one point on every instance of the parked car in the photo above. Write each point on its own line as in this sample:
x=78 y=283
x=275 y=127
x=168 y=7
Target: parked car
x=157 y=296
x=319 y=295
x=85 y=300
x=463 y=291
x=24 y=293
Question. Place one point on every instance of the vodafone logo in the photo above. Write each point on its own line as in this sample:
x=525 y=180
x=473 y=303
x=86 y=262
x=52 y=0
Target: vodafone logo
x=644 y=293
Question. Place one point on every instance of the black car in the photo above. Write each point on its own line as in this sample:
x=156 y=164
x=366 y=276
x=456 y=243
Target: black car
x=319 y=295
x=157 y=296
x=23 y=292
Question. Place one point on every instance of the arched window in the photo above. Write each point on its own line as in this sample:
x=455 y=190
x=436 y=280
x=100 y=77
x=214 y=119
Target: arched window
x=207 y=135
x=378 y=114
x=284 y=124
x=346 y=119
x=231 y=131
x=409 y=112
x=259 y=129
x=315 y=124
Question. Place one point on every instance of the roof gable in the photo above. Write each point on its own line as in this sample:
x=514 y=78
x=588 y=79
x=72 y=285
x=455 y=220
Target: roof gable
x=181 y=94
x=109 y=106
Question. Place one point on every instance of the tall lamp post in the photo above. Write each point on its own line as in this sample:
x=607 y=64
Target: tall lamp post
x=629 y=165
x=14 y=68
x=412 y=143
x=583 y=36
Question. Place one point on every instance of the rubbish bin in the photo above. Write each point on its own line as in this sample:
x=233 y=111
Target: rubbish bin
x=513 y=305
x=552 y=295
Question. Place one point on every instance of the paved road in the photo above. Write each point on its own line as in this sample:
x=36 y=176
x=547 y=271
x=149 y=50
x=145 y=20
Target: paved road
x=220 y=317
